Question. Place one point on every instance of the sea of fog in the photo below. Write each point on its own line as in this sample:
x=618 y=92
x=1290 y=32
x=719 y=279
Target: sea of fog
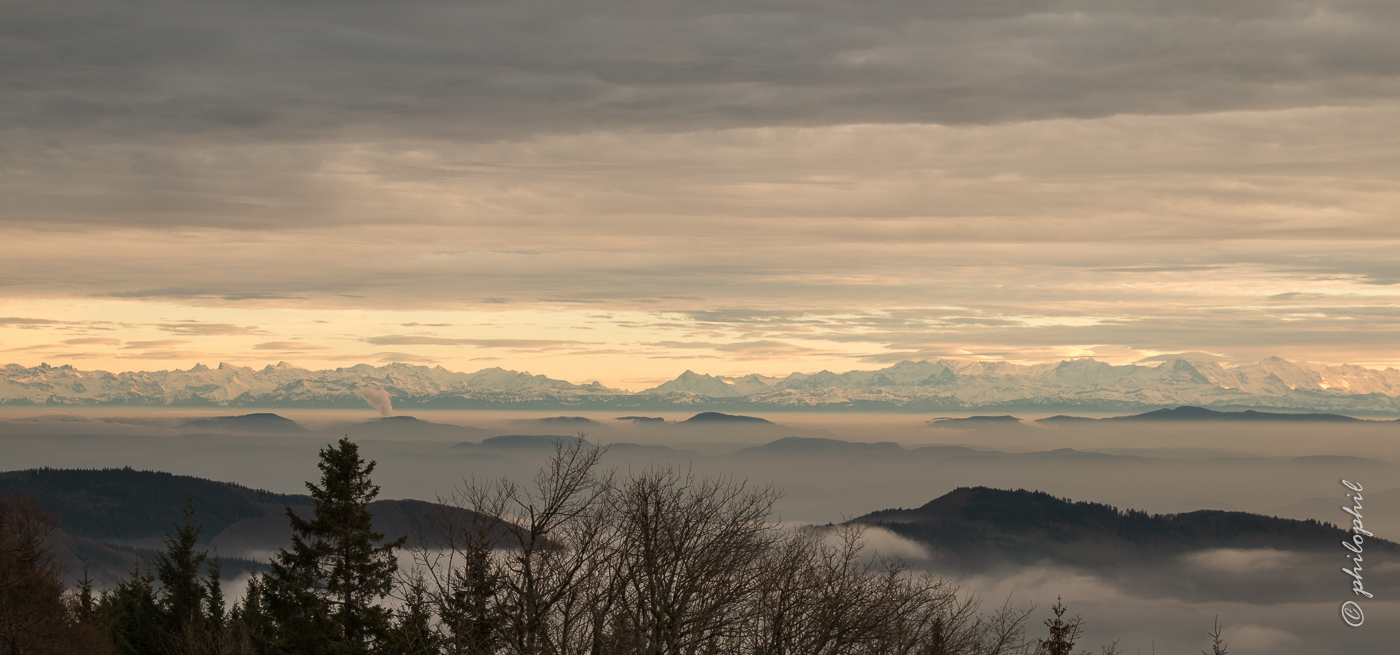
x=1269 y=601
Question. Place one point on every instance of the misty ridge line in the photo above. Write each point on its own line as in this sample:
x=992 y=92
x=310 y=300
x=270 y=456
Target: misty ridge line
x=982 y=525
x=1190 y=379
x=1321 y=578
x=952 y=513
x=588 y=546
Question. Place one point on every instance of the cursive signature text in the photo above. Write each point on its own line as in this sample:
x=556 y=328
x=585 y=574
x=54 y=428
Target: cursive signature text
x=1351 y=611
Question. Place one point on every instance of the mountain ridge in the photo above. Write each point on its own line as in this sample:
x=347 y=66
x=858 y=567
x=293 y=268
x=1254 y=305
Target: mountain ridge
x=108 y=514
x=1273 y=384
x=980 y=526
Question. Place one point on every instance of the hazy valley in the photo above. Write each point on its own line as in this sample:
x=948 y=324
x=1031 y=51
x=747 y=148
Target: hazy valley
x=831 y=469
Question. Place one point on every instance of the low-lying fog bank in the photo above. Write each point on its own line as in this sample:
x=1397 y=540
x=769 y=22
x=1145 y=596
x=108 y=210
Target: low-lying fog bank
x=836 y=467
x=1290 y=470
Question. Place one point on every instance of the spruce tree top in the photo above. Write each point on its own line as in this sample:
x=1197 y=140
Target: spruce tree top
x=334 y=569
x=344 y=495
x=342 y=527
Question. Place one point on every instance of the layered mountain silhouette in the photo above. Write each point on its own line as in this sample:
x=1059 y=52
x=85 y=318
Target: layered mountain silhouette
x=1188 y=413
x=546 y=441
x=1272 y=385
x=716 y=417
x=109 y=516
x=405 y=427
x=979 y=527
x=260 y=422
x=816 y=446
x=642 y=420
x=976 y=422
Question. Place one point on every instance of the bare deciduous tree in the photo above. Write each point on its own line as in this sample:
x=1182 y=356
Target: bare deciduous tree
x=521 y=575
x=693 y=558
x=665 y=563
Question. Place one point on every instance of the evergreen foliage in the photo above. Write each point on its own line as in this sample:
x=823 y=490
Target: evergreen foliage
x=1217 y=644
x=326 y=590
x=131 y=615
x=168 y=608
x=1063 y=634
x=117 y=504
x=413 y=631
x=660 y=563
x=183 y=595
x=251 y=623
x=467 y=605
x=37 y=614
x=985 y=527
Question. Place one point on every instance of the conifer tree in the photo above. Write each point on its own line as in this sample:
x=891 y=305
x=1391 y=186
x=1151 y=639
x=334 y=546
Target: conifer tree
x=37 y=615
x=413 y=632
x=468 y=610
x=183 y=594
x=324 y=591
x=86 y=601
x=249 y=622
x=170 y=608
x=1217 y=645
x=132 y=616
x=1063 y=633
x=214 y=597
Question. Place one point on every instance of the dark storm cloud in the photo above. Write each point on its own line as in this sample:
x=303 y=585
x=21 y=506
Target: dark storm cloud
x=912 y=177
x=272 y=70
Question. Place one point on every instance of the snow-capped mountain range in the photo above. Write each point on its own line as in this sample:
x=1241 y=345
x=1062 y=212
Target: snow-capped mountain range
x=906 y=386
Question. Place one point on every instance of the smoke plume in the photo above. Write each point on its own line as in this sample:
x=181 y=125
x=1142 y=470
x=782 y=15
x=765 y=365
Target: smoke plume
x=377 y=399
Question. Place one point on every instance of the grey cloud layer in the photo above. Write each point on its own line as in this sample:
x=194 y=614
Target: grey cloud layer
x=274 y=70
x=915 y=177
x=271 y=116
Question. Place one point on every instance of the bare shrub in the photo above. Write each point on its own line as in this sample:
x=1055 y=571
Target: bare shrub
x=664 y=563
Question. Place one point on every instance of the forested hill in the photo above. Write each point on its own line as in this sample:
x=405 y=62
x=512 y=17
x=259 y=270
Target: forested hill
x=980 y=526
x=127 y=504
x=127 y=508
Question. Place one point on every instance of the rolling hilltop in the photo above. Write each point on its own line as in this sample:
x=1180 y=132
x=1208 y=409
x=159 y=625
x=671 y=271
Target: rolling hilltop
x=978 y=527
x=107 y=517
x=908 y=386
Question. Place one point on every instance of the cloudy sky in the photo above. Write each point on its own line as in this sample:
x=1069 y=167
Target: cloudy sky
x=620 y=191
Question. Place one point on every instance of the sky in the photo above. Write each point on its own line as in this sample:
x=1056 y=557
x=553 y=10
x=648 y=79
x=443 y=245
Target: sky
x=620 y=191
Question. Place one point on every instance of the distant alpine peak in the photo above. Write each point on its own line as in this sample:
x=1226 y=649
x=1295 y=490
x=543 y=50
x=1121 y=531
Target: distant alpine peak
x=1197 y=379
